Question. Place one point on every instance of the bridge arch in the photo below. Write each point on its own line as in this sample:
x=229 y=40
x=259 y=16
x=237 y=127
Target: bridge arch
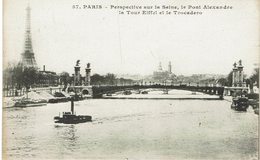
x=85 y=92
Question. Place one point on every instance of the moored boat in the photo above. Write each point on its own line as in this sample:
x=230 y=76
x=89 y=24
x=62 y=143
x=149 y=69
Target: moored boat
x=240 y=104
x=144 y=92
x=30 y=103
x=60 y=97
x=193 y=92
x=127 y=92
x=109 y=94
x=165 y=91
x=31 y=99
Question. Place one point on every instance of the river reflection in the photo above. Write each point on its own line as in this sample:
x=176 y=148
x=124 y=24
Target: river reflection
x=133 y=129
x=67 y=136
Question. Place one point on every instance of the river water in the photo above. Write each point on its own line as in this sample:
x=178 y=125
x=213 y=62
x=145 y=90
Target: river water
x=133 y=129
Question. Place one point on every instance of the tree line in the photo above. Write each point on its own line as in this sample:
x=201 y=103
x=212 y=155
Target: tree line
x=97 y=79
x=16 y=76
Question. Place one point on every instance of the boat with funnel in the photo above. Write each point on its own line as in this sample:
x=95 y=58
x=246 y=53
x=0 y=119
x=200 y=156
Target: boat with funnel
x=71 y=117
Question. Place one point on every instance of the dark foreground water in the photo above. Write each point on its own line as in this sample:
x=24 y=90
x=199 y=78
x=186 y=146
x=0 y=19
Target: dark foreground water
x=133 y=129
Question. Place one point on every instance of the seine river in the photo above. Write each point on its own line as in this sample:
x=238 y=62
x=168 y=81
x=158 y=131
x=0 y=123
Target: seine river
x=133 y=129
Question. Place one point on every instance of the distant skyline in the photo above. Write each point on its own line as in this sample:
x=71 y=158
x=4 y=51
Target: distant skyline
x=121 y=44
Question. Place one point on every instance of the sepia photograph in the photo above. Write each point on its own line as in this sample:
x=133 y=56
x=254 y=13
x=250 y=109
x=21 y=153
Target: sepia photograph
x=130 y=79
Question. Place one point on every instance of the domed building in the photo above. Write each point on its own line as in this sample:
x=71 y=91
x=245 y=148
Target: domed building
x=163 y=75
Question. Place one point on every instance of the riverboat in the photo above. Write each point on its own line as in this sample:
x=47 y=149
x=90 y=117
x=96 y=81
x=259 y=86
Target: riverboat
x=109 y=94
x=240 y=103
x=127 y=92
x=31 y=99
x=144 y=92
x=165 y=91
x=71 y=117
x=29 y=103
x=60 y=97
x=193 y=93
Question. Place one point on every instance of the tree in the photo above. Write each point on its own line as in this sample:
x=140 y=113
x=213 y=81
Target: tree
x=223 y=81
x=65 y=78
x=110 y=79
x=29 y=76
x=97 y=79
x=255 y=76
x=230 y=78
x=17 y=75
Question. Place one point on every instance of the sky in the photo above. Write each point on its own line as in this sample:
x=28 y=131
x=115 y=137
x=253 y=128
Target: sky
x=134 y=44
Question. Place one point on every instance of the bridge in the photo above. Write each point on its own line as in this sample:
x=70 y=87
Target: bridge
x=98 y=91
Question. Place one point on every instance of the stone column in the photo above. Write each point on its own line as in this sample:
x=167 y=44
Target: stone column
x=240 y=74
x=234 y=75
x=77 y=75
x=87 y=78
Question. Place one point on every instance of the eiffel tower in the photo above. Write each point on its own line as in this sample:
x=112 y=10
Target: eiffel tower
x=28 y=58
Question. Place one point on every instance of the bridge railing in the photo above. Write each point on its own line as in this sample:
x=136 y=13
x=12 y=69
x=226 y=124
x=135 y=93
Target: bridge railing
x=99 y=90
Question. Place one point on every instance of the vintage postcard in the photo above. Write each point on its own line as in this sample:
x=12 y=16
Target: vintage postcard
x=130 y=79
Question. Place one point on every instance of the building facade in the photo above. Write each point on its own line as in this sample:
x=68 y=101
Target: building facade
x=163 y=75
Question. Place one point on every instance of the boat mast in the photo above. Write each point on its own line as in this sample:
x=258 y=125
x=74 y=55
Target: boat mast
x=72 y=105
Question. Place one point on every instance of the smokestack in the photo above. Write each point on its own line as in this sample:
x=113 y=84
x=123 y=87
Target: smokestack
x=170 y=67
x=43 y=67
x=72 y=105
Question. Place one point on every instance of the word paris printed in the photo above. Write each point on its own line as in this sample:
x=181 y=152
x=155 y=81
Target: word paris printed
x=153 y=9
x=105 y=79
